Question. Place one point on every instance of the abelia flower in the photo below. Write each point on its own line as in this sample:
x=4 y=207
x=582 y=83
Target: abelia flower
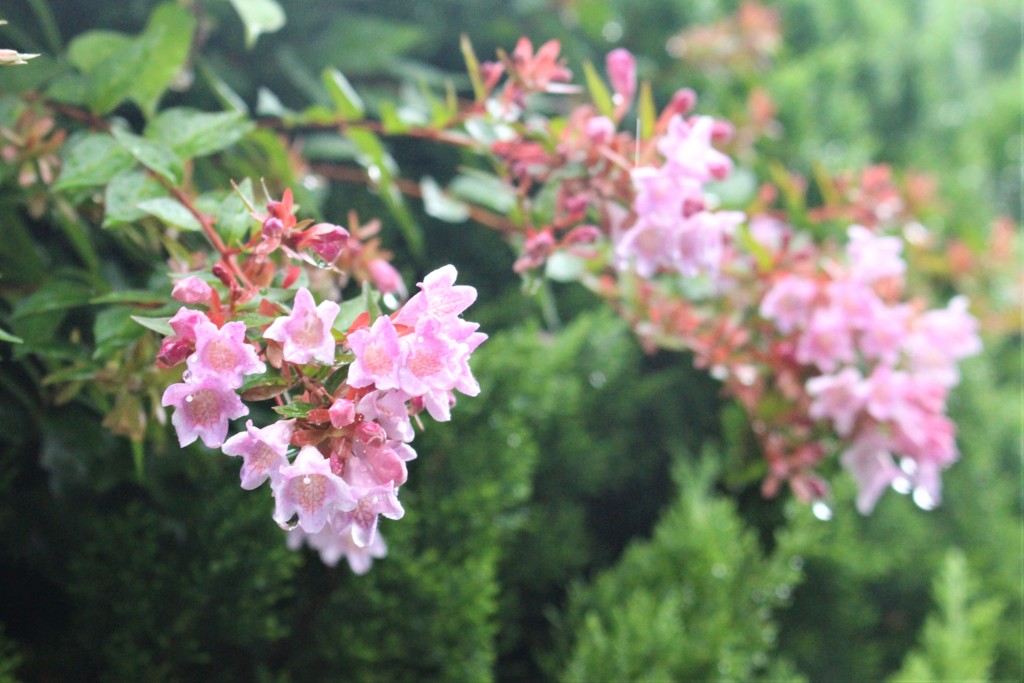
x=378 y=356
x=838 y=397
x=872 y=257
x=869 y=460
x=429 y=360
x=883 y=338
x=263 y=451
x=439 y=297
x=370 y=504
x=306 y=333
x=184 y=323
x=789 y=303
x=686 y=145
x=855 y=300
x=941 y=337
x=827 y=341
x=385 y=278
x=333 y=545
x=311 y=490
x=192 y=290
x=224 y=352
x=389 y=409
x=887 y=393
x=202 y=409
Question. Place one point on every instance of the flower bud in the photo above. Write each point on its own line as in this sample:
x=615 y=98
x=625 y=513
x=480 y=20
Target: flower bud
x=192 y=290
x=385 y=278
x=622 y=72
x=683 y=101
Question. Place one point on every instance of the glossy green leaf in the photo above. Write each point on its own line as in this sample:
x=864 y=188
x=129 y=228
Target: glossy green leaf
x=93 y=160
x=158 y=325
x=56 y=295
x=190 y=133
x=171 y=211
x=440 y=205
x=599 y=92
x=259 y=17
x=142 y=69
x=125 y=192
x=88 y=50
x=153 y=156
x=8 y=337
x=298 y=409
x=347 y=102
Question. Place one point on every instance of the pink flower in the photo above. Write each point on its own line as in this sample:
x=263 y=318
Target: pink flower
x=855 y=300
x=939 y=338
x=687 y=146
x=333 y=545
x=827 y=341
x=385 y=278
x=887 y=393
x=600 y=130
x=789 y=303
x=378 y=355
x=371 y=503
x=429 y=360
x=838 y=397
x=224 y=352
x=621 y=67
x=438 y=298
x=184 y=323
x=870 y=462
x=308 y=488
x=202 y=409
x=263 y=451
x=306 y=333
x=389 y=409
x=192 y=290
x=883 y=337
x=872 y=257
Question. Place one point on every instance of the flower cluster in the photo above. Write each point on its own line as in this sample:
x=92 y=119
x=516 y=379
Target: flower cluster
x=884 y=367
x=810 y=345
x=336 y=459
x=675 y=229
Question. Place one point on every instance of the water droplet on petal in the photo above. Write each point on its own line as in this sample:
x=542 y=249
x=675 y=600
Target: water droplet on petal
x=287 y=527
x=186 y=376
x=821 y=510
x=390 y=300
x=189 y=399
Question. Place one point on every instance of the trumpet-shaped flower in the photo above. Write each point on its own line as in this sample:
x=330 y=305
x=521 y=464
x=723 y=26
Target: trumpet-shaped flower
x=306 y=333
x=311 y=490
x=262 y=451
x=202 y=409
x=224 y=352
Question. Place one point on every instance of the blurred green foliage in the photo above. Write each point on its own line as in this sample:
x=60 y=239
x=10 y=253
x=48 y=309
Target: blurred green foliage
x=546 y=535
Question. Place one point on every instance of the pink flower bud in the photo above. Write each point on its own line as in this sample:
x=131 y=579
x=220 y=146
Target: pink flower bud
x=385 y=278
x=600 y=130
x=192 y=290
x=683 y=101
x=371 y=433
x=327 y=240
x=174 y=351
x=622 y=71
x=272 y=228
x=722 y=131
x=583 y=234
x=342 y=412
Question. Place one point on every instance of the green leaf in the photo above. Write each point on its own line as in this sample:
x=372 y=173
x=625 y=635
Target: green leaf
x=142 y=297
x=142 y=69
x=93 y=160
x=263 y=386
x=484 y=189
x=347 y=102
x=598 y=90
x=56 y=295
x=298 y=409
x=356 y=46
x=125 y=192
x=441 y=205
x=158 y=325
x=153 y=156
x=259 y=17
x=224 y=92
x=646 y=111
x=89 y=50
x=8 y=337
x=472 y=67
x=171 y=211
x=190 y=133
